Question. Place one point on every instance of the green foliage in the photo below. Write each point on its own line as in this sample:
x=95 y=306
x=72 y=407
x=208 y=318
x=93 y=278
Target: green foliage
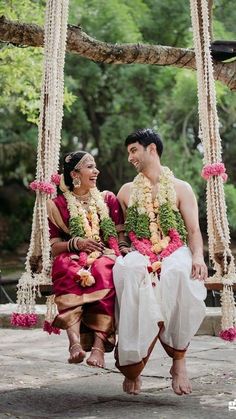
x=110 y=21
x=29 y=11
x=169 y=23
x=20 y=84
x=104 y=103
x=230 y=195
x=16 y=214
x=17 y=233
x=20 y=89
x=224 y=19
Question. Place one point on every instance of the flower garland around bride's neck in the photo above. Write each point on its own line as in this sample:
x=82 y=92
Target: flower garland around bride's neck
x=155 y=226
x=88 y=224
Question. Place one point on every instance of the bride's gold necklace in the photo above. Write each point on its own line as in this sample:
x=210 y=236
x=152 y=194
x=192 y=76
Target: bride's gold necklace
x=83 y=199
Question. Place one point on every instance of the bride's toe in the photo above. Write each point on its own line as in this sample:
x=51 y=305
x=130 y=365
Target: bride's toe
x=96 y=358
x=77 y=354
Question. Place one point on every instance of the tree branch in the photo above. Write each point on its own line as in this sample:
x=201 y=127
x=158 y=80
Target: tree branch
x=22 y=34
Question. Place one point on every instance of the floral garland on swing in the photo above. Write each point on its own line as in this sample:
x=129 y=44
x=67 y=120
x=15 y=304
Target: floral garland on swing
x=155 y=227
x=88 y=225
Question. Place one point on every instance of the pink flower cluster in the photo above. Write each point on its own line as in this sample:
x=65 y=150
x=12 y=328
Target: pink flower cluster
x=24 y=319
x=214 y=169
x=113 y=244
x=44 y=187
x=228 y=334
x=47 y=327
x=56 y=178
x=83 y=259
x=174 y=244
x=144 y=245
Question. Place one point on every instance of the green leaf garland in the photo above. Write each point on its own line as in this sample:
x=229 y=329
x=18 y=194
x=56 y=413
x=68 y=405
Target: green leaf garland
x=108 y=229
x=131 y=219
x=142 y=227
x=167 y=218
x=76 y=226
x=180 y=226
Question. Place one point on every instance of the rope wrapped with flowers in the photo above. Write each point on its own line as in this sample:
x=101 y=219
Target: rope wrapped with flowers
x=214 y=171
x=49 y=133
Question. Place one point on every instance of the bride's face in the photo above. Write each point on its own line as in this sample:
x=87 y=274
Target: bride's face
x=88 y=174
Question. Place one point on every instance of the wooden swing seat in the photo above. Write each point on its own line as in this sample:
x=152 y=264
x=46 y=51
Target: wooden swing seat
x=216 y=286
x=210 y=286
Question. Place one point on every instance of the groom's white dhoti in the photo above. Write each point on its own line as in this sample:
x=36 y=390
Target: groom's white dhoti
x=171 y=308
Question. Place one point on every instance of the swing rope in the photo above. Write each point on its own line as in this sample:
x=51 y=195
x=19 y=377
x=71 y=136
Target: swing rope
x=49 y=134
x=213 y=171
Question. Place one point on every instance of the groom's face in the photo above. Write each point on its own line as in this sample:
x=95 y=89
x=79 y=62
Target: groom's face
x=138 y=156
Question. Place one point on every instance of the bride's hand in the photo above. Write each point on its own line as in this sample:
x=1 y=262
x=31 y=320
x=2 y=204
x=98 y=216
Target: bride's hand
x=89 y=245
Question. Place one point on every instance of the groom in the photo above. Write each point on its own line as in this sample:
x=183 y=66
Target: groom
x=159 y=281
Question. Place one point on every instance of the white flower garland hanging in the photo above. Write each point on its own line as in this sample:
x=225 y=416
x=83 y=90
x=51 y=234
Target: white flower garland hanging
x=49 y=133
x=214 y=170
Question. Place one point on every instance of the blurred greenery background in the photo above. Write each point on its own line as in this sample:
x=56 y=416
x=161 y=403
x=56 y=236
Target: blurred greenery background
x=104 y=103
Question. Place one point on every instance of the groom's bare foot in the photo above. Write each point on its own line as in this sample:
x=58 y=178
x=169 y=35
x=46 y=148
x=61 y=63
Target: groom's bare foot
x=180 y=381
x=132 y=386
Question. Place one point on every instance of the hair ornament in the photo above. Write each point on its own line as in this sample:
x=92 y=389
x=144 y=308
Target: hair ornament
x=68 y=158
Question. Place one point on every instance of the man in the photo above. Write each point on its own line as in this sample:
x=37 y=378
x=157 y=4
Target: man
x=159 y=281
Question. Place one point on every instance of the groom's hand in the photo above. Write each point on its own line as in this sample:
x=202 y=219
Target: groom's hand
x=124 y=250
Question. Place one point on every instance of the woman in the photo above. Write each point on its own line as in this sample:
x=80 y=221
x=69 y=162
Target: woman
x=83 y=232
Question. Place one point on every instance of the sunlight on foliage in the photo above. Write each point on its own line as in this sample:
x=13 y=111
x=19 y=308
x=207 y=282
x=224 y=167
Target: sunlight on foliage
x=104 y=103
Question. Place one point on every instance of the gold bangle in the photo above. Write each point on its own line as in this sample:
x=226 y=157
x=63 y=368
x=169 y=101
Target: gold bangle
x=69 y=246
x=123 y=243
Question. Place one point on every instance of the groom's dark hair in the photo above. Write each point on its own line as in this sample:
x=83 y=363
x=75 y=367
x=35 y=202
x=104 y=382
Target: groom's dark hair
x=145 y=136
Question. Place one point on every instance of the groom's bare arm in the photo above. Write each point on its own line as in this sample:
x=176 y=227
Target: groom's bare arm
x=123 y=196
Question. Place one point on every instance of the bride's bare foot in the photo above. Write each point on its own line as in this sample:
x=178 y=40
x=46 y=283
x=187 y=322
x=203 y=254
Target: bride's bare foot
x=77 y=354
x=132 y=386
x=180 y=381
x=96 y=358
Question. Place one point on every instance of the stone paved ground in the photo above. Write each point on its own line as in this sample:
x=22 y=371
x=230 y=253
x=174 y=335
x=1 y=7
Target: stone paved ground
x=37 y=382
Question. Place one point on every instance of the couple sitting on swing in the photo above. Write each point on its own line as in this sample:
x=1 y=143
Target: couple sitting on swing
x=150 y=269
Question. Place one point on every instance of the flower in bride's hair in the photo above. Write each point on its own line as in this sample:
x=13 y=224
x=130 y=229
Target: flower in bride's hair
x=68 y=158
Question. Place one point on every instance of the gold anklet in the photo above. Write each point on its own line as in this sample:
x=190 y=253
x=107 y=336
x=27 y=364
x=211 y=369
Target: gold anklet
x=97 y=349
x=75 y=344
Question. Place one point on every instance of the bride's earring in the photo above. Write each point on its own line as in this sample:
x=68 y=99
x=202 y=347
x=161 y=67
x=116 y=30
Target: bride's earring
x=76 y=182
